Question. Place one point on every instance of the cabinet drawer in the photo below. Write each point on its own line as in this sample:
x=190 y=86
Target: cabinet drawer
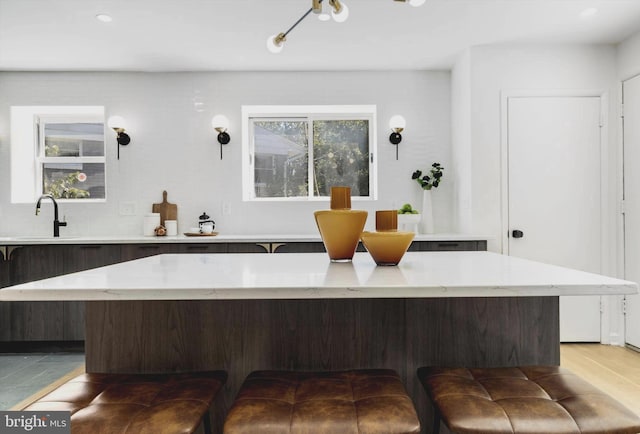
x=203 y=248
x=446 y=246
x=137 y=251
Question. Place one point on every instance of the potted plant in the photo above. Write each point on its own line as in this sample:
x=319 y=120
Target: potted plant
x=408 y=216
x=427 y=183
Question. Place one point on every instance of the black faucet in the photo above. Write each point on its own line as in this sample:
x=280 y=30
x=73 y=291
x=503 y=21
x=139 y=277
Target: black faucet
x=56 y=222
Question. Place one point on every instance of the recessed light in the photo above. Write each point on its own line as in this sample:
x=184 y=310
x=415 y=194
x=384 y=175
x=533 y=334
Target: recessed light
x=588 y=13
x=104 y=18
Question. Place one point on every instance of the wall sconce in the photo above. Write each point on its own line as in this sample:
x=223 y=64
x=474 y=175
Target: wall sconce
x=397 y=124
x=220 y=123
x=117 y=123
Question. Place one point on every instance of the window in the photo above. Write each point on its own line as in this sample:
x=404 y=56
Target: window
x=299 y=152
x=58 y=150
x=71 y=156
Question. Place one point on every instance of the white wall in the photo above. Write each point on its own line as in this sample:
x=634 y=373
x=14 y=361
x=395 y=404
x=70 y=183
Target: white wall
x=494 y=70
x=461 y=142
x=629 y=57
x=174 y=147
x=628 y=66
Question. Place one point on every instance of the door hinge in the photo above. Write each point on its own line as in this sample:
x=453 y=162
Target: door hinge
x=621 y=110
x=601 y=306
x=624 y=306
x=622 y=207
x=602 y=120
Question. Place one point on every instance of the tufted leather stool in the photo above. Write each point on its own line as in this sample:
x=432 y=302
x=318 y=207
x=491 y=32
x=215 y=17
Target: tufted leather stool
x=372 y=401
x=136 y=404
x=532 y=400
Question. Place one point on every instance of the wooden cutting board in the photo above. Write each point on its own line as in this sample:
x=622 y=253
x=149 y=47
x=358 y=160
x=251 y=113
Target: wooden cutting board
x=168 y=211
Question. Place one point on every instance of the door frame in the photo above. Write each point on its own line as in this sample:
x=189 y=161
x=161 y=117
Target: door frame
x=608 y=311
x=622 y=250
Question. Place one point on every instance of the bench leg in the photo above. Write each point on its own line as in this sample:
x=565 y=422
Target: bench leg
x=207 y=422
x=436 y=421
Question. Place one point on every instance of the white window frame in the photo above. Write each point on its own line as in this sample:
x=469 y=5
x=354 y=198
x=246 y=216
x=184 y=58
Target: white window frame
x=26 y=165
x=41 y=159
x=310 y=113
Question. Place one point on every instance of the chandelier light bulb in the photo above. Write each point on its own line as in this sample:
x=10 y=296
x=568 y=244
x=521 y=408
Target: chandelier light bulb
x=341 y=16
x=324 y=16
x=416 y=3
x=275 y=43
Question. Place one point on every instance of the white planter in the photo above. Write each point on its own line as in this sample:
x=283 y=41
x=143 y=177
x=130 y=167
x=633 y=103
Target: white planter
x=408 y=222
x=426 y=224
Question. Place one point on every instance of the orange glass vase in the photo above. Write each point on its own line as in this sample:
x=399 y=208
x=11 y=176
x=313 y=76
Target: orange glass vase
x=340 y=227
x=387 y=245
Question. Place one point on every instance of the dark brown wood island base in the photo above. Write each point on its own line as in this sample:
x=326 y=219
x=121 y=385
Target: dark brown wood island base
x=241 y=336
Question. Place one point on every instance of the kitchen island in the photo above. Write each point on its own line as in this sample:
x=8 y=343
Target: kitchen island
x=242 y=312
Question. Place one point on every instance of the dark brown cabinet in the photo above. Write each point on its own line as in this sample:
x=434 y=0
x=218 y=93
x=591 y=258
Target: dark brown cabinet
x=64 y=321
x=49 y=320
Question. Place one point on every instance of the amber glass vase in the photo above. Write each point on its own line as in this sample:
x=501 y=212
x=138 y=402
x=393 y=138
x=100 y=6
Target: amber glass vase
x=387 y=245
x=340 y=227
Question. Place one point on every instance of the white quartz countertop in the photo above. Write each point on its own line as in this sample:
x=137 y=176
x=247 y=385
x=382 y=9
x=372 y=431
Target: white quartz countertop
x=313 y=276
x=221 y=238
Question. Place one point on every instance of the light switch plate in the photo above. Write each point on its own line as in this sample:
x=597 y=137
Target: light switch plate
x=226 y=208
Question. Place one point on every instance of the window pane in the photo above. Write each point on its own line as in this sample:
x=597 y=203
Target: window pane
x=281 y=158
x=74 y=140
x=74 y=180
x=341 y=156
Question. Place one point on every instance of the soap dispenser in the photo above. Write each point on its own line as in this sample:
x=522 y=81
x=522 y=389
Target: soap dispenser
x=206 y=224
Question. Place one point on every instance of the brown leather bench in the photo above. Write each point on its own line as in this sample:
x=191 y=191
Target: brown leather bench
x=536 y=399
x=136 y=404
x=372 y=401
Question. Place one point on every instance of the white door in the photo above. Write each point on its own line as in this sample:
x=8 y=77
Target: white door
x=631 y=92
x=554 y=195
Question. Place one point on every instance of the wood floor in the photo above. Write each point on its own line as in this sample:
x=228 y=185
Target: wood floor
x=614 y=370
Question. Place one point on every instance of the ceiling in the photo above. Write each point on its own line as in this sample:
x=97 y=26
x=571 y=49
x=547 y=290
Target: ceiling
x=213 y=35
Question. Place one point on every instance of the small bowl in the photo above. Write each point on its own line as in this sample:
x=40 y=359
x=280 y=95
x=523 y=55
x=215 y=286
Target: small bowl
x=387 y=248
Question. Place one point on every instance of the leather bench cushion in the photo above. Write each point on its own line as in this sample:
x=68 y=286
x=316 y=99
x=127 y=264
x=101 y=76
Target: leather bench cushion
x=141 y=403
x=536 y=399
x=358 y=401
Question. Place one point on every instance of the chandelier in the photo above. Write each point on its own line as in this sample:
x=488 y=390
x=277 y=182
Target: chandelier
x=339 y=13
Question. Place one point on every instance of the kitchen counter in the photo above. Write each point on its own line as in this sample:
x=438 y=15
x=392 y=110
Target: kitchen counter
x=245 y=312
x=313 y=276
x=221 y=238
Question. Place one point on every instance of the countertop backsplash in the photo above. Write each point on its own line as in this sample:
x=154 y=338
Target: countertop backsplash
x=174 y=148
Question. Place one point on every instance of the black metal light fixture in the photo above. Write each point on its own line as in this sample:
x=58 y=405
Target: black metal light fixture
x=339 y=13
x=397 y=124
x=117 y=123
x=220 y=123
